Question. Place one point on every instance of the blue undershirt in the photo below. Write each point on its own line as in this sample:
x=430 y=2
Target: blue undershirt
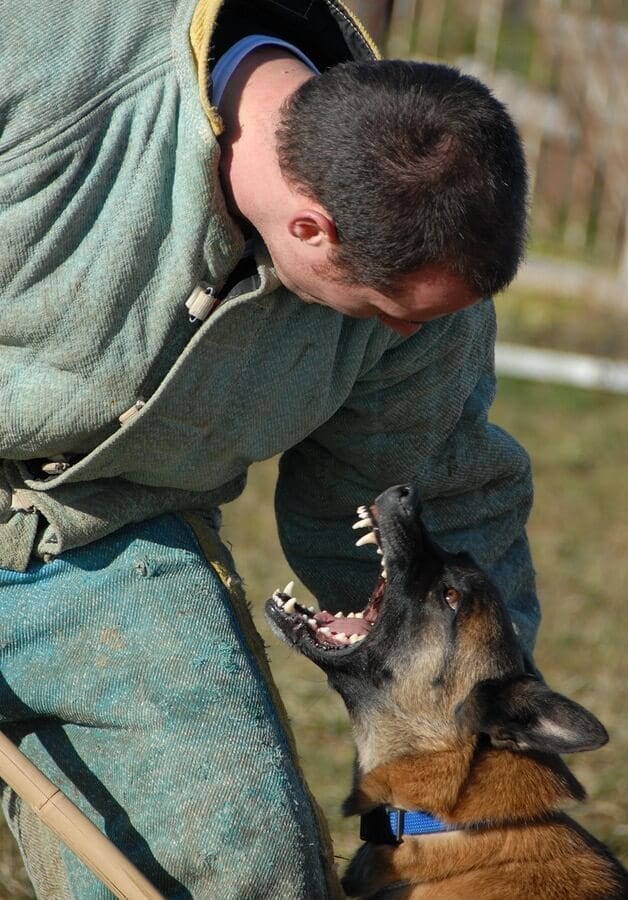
x=229 y=61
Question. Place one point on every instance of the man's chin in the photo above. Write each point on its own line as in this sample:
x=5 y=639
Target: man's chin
x=404 y=328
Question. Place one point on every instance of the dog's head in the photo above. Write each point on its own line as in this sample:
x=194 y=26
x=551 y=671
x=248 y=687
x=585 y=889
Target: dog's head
x=433 y=656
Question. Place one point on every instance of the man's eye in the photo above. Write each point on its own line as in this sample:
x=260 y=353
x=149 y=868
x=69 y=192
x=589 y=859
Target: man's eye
x=452 y=597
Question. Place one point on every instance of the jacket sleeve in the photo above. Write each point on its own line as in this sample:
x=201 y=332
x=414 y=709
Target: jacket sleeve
x=418 y=414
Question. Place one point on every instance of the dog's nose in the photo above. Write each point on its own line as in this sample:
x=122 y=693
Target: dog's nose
x=405 y=496
x=409 y=499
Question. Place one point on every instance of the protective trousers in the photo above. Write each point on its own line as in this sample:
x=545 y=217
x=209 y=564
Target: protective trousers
x=132 y=676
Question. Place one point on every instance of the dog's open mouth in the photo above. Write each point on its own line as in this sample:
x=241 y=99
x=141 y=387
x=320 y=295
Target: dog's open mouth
x=326 y=630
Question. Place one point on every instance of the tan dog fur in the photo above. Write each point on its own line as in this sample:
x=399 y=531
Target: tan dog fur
x=518 y=794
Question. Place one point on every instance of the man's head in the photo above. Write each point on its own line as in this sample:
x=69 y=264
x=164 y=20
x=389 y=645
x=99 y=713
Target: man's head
x=410 y=189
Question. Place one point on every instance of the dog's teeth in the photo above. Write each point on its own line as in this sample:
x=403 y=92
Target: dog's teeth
x=380 y=552
x=363 y=523
x=289 y=605
x=356 y=638
x=366 y=539
x=312 y=623
x=310 y=609
x=288 y=589
x=359 y=615
x=278 y=599
x=384 y=574
x=362 y=512
x=342 y=638
x=325 y=631
x=351 y=615
x=339 y=615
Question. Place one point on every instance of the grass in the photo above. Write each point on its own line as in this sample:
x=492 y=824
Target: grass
x=579 y=534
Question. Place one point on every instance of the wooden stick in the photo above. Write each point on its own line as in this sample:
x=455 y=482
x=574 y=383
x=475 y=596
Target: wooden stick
x=72 y=826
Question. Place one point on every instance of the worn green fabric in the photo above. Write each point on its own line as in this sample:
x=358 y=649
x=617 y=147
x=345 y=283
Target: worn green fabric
x=111 y=212
x=132 y=677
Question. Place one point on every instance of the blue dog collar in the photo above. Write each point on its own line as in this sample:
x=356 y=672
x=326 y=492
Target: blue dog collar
x=388 y=825
x=403 y=821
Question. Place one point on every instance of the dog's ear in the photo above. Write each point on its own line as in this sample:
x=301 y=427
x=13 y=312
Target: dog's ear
x=524 y=714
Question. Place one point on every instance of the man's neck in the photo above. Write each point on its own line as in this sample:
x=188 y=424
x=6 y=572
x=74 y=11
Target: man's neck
x=250 y=108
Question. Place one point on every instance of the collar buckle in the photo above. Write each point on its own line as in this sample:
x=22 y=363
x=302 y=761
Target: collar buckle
x=375 y=827
x=388 y=825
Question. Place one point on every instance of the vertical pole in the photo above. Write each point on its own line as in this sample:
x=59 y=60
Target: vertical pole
x=72 y=826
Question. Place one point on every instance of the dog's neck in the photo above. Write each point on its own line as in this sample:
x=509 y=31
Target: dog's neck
x=468 y=784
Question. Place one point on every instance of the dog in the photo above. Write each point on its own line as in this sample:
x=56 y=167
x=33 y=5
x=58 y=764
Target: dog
x=458 y=778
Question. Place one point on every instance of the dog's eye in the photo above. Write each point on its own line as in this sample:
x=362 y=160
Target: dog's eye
x=452 y=597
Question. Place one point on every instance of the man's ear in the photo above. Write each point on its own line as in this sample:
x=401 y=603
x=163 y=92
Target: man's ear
x=524 y=714
x=313 y=227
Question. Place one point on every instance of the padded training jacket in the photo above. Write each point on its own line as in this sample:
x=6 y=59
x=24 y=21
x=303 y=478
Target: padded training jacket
x=116 y=407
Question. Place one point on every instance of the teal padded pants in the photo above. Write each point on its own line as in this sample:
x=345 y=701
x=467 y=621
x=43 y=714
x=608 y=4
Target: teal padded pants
x=131 y=675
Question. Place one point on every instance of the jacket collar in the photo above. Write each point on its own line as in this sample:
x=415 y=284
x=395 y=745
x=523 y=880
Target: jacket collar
x=354 y=37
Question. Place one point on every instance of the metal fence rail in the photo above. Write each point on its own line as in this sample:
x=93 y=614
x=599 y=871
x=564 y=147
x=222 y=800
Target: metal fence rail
x=575 y=369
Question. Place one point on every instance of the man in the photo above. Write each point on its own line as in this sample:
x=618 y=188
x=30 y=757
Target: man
x=290 y=260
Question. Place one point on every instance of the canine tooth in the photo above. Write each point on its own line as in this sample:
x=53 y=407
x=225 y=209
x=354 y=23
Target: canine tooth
x=363 y=523
x=366 y=539
x=288 y=589
x=289 y=605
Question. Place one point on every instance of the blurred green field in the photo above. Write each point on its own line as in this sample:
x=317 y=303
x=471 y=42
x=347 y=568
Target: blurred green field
x=578 y=441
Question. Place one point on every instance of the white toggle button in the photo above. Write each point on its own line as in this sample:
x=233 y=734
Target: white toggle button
x=201 y=302
x=20 y=501
x=55 y=467
x=131 y=412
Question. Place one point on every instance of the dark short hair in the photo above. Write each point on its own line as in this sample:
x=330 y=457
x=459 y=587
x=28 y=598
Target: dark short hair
x=417 y=163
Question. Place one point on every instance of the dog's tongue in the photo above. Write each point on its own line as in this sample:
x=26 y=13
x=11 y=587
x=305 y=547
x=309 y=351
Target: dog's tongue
x=342 y=624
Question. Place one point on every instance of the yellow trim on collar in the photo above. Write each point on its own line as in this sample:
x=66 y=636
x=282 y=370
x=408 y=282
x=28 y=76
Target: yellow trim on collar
x=377 y=53
x=201 y=28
